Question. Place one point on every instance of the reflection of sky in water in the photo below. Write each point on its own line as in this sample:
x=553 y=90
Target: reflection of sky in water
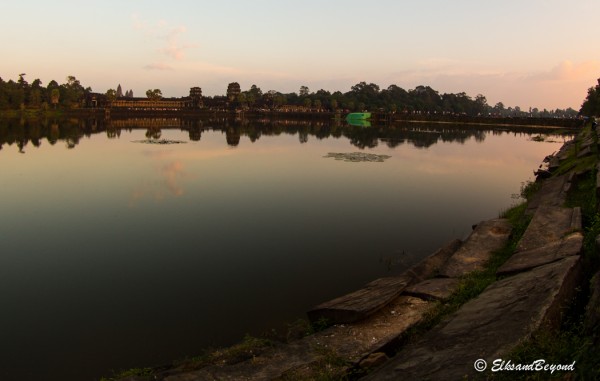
x=137 y=254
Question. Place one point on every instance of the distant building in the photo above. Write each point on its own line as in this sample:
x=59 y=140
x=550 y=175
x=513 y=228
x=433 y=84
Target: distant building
x=233 y=90
x=293 y=108
x=191 y=102
x=196 y=97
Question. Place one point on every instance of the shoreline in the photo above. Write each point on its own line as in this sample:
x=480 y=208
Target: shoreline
x=377 y=118
x=574 y=167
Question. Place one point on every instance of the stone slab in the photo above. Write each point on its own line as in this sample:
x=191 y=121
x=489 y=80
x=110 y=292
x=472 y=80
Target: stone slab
x=430 y=266
x=433 y=289
x=487 y=237
x=489 y=326
x=552 y=252
x=360 y=304
x=584 y=152
x=352 y=342
x=565 y=151
x=553 y=163
x=552 y=192
x=366 y=301
x=549 y=224
x=587 y=143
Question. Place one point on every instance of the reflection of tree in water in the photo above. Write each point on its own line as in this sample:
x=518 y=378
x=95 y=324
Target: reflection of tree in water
x=20 y=131
x=21 y=144
x=54 y=133
x=253 y=133
x=71 y=143
x=113 y=133
x=303 y=135
x=153 y=133
x=363 y=137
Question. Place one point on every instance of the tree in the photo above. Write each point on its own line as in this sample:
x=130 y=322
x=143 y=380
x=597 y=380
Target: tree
x=153 y=95
x=333 y=104
x=499 y=108
x=241 y=98
x=250 y=98
x=481 y=105
x=22 y=82
x=111 y=94
x=591 y=104
x=303 y=91
x=72 y=92
x=54 y=96
x=256 y=92
x=35 y=98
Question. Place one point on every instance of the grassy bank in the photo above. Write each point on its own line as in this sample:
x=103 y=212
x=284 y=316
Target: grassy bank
x=571 y=342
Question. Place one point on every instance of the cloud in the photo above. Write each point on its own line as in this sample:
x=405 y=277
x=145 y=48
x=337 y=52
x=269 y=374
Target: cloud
x=174 y=47
x=169 y=40
x=172 y=173
x=560 y=86
x=170 y=176
x=158 y=66
x=568 y=71
x=137 y=23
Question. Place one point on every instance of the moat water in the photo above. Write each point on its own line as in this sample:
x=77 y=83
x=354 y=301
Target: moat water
x=117 y=253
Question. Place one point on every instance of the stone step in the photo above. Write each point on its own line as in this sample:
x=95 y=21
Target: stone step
x=552 y=252
x=433 y=289
x=553 y=192
x=360 y=304
x=552 y=234
x=489 y=326
x=549 y=224
x=487 y=237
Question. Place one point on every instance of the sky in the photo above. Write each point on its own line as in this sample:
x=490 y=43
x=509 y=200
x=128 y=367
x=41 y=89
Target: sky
x=526 y=53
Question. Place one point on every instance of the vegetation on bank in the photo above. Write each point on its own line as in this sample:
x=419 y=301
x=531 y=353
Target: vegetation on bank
x=22 y=95
x=570 y=342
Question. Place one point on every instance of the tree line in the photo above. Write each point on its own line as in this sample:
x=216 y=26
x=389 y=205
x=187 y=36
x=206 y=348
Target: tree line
x=363 y=96
x=22 y=94
x=370 y=97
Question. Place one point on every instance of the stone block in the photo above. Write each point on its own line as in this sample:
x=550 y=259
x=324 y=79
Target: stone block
x=360 y=304
x=489 y=326
x=433 y=289
x=552 y=252
x=487 y=237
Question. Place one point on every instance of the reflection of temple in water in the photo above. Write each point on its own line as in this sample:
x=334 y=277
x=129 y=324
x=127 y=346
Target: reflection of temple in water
x=233 y=136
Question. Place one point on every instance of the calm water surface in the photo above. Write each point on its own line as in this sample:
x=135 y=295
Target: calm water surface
x=119 y=254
